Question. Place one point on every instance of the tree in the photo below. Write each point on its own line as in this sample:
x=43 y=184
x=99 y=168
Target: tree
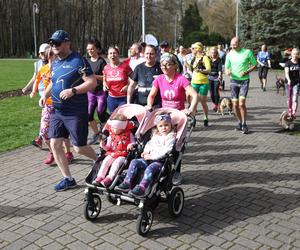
x=219 y=16
x=273 y=22
x=191 y=21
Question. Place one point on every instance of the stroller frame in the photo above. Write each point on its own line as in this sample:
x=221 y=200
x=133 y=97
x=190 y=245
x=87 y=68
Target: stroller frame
x=162 y=184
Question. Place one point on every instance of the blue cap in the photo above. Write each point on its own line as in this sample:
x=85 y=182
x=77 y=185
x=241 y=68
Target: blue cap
x=59 y=36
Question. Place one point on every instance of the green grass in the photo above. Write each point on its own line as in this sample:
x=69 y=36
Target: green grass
x=15 y=73
x=19 y=122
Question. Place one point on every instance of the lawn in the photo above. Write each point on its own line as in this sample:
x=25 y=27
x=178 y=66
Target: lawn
x=15 y=73
x=19 y=116
x=19 y=121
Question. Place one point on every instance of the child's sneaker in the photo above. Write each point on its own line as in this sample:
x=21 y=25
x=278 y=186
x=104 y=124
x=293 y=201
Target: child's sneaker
x=137 y=191
x=65 y=184
x=123 y=187
x=69 y=156
x=97 y=181
x=50 y=159
x=37 y=142
x=106 y=182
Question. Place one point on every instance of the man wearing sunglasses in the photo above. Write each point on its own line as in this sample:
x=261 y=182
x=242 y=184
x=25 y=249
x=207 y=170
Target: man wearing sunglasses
x=72 y=77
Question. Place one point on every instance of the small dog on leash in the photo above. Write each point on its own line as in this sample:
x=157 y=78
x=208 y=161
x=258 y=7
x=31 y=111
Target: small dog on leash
x=280 y=84
x=286 y=121
x=225 y=104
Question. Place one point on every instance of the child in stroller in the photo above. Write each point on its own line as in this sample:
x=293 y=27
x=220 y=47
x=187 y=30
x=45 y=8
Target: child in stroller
x=118 y=143
x=161 y=188
x=160 y=144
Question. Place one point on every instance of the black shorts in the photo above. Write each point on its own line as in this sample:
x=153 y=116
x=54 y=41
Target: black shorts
x=263 y=72
x=61 y=126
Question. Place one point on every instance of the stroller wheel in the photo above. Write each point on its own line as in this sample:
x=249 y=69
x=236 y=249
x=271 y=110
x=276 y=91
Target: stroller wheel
x=92 y=208
x=144 y=221
x=176 y=202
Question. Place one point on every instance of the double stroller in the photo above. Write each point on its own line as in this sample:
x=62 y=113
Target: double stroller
x=162 y=188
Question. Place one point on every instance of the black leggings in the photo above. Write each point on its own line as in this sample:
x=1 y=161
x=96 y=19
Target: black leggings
x=214 y=91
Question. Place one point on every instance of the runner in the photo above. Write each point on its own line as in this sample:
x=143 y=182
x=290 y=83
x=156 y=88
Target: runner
x=264 y=63
x=115 y=79
x=72 y=78
x=97 y=97
x=292 y=75
x=215 y=77
x=201 y=67
x=38 y=141
x=135 y=55
x=173 y=89
x=239 y=63
x=142 y=77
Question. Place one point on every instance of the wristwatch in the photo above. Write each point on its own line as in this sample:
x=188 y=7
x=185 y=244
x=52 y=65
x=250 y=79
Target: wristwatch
x=74 y=91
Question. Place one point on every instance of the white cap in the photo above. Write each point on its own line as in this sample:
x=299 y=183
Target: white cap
x=44 y=47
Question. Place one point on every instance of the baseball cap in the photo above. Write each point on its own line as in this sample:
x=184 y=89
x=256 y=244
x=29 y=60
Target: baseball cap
x=164 y=44
x=44 y=47
x=60 y=36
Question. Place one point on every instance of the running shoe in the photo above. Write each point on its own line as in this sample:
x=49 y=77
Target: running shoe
x=69 y=156
x=205 y=123
x=50 y=159
x=177 y=178
x=238 y=127
x=65 y=184
x=94 y=139
x=37 y=142
x=244 y=129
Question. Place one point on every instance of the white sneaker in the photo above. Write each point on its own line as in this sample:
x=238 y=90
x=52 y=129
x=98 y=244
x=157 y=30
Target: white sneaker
x=177 y=179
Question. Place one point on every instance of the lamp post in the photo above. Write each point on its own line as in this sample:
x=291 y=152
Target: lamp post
x=175 y=31
x=237 y=19
x=143 y=20
x=35 y=10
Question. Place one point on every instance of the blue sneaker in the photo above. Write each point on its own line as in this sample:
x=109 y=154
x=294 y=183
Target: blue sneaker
x=65 y=184
x=137 y=191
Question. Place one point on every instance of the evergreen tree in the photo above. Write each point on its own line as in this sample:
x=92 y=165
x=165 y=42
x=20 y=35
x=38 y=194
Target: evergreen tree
x=191 y=20
x=273 y=22
x=193 y=29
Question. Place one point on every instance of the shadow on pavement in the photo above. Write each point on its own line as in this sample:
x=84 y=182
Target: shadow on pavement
x=10 y=211
x=206 y=159
x=215 y=211
x=223 y=178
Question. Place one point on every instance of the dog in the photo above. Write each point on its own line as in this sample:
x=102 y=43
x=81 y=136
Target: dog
x=225 y=104
x=280 y=83
x=286 y=121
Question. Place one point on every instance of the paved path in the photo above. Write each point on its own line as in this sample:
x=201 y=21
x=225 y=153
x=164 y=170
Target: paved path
x=242 y=192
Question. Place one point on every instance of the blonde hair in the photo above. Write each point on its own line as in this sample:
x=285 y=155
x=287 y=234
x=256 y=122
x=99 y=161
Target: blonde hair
x=198 y=47
x=296 y=50
x=119 y=117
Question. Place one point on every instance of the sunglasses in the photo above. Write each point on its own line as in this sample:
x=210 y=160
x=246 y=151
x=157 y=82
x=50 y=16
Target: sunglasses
x=167 y=65
x=56 y=44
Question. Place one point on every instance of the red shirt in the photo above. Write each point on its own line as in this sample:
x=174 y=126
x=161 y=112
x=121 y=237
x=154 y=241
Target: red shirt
x=116 y=78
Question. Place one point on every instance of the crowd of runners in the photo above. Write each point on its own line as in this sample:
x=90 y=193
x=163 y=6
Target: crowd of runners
x=72 y=87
